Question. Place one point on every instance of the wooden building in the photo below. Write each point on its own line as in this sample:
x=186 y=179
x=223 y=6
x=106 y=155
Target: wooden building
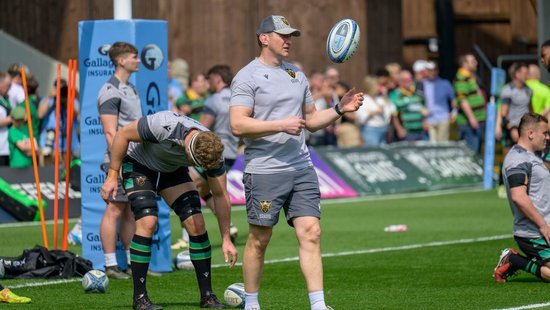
x=208 y=32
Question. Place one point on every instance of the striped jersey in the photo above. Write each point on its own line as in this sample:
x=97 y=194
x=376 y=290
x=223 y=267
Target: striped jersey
x=466 y=88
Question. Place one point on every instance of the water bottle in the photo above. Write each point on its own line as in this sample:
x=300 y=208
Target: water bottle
x=396 y=228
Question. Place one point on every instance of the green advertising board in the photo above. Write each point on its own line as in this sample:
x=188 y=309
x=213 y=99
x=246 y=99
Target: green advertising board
x=405 y=167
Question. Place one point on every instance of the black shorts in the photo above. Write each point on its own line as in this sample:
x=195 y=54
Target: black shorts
x=138 y=177
x=201 y=172
x=536 y=249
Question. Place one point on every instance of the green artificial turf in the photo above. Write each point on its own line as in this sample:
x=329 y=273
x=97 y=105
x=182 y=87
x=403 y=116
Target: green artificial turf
x=444 y=261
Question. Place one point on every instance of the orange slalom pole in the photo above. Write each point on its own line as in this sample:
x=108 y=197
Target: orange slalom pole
x=34 y=163
x=56 y=159
x=70 y=112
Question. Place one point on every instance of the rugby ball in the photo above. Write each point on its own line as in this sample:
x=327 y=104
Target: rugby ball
x=234 y=295
x=183 y=261
x=343 y=40
x=95 y=281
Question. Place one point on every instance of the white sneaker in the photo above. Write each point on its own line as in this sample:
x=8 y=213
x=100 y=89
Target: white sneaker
x=74 y=237
x=180 y=245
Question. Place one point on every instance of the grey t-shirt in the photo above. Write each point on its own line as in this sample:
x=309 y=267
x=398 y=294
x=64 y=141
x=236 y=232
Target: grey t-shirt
x=526 y=164
x=163 y=135
x=122 y=100
x=518 y=101
x=217 y=105
x=273 y=93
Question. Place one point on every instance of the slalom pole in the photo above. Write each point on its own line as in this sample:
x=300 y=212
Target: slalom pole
x=70 y=113
x=56 y=159
x=34 y=163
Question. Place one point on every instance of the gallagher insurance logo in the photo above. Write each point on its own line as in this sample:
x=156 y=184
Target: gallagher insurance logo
x=152 y=57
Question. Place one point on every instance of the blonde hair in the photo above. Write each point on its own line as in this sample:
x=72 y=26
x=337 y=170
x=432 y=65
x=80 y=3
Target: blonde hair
x=208 y=150
x=370 y=85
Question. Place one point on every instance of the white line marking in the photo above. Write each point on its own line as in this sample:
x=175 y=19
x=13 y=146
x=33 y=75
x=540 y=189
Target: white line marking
x=387 y=249
x=295 y=258
x=324 y=202
x=532 y=306
x=45 y=283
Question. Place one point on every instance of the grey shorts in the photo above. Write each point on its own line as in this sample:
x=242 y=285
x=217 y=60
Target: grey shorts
x=121 y=193
x=296 y=192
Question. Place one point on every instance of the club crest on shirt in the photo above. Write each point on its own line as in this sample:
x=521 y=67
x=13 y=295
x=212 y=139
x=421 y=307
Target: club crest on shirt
x=291 y=73
x=265 y=205
x=140 y=180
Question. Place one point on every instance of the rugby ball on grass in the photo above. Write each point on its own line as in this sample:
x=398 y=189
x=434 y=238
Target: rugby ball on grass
x=183 y=261
x=343 y=40
x=95 y=281
x=234 y=295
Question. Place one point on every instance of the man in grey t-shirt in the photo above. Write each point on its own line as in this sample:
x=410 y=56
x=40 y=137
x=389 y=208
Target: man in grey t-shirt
x=527 y=183
x=154 y=154
x=118 y=104
x=270 y=106
x=516 y=101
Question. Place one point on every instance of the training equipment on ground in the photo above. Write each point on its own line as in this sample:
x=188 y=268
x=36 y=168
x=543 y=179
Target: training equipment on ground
x=343 y=40
x=95 y=281
x=234 y=295
x=183 y=261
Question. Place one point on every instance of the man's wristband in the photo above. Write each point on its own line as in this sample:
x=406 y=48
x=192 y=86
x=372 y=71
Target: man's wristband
x=115 y=170
x=337 y=109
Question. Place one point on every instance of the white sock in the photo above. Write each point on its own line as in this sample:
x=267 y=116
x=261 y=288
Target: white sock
x=185 y=235
x=317 y=300
x=110 y=259
x=128 y=257
x=251 y=301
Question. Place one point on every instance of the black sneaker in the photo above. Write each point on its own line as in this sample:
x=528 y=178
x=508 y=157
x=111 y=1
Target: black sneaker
x=144 y=303
x=211 y=301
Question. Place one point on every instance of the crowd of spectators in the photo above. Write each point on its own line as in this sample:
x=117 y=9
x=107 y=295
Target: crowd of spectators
x=419 y=105
x=400 y=105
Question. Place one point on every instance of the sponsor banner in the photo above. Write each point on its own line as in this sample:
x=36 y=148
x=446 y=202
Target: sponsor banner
x=330 y=184
x=151 y=81
x=22 y=179
x=405 y=167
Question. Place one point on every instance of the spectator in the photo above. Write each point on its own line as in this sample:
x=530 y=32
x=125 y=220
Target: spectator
x=5 y=119
x=545 y=55
x=16 y=94
x=18 y=139
x=192 y=101
x=374 y=115
x=347 y=132
x=515 y=100
x=393 y=69
x=332 y=77
x=471 y=103
x=316 y=86
x=46 y=112
x=178 y=74
x=410 y=113
x=440 y=101
x=420 y=70
x=540 y=102
x=32 y=90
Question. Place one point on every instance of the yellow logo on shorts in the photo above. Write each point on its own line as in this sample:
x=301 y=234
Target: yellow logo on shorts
x=265 y=205
x=140 y=181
